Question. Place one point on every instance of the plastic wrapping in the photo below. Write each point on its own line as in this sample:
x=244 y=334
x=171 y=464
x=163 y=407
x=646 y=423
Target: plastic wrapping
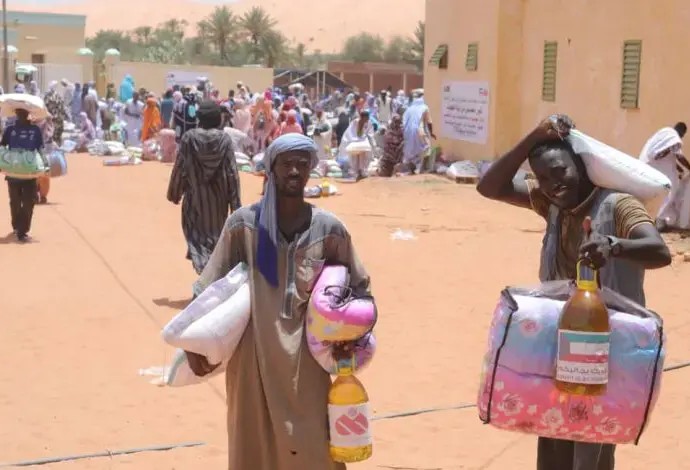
x=214 y=323
x=57 y=163
x=334 y=314
x=517 y=391
x=22 y=164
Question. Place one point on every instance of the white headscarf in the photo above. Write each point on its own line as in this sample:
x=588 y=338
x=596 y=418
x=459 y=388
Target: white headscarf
x=660 y=142
x=267 y=250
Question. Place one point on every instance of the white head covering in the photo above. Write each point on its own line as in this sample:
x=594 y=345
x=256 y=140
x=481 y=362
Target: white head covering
x=663 y=140
x=267 y=250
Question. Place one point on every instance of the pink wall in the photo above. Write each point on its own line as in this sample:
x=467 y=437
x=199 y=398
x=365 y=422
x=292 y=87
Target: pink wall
x=590 y=35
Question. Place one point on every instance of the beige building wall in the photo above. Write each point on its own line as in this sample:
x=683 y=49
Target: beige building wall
x=457 y=23
x=59 y=44
x=153 y=76
x=590 y=35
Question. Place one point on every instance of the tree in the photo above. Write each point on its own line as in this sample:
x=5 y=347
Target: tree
x=142 y=34
x=258 y=26
x=398 y=50
x=365 y=47
x=220 y=29
x=418 y=41
x=112 y=39
x=299 y=54
x=274 y=49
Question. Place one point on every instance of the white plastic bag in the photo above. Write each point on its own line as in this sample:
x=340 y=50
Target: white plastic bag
x=179 y=374
x=462 y=169
x=213 y=324
x=610 y=168
x=358 y=147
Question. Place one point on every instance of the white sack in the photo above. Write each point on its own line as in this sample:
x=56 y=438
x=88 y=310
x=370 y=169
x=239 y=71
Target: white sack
x=213 y=324
x=612 y=169
x=361 y=146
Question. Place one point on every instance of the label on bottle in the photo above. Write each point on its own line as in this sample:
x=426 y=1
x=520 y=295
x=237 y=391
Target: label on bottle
x=349 y=425
x=583 y=357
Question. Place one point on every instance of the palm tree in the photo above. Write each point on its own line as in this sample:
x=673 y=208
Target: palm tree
x=174 y=27
x=299 y=53
x=257 y=25
x=274 y=48
x=219 y=28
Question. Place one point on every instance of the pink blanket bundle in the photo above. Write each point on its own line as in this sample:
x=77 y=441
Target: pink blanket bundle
x=335 y=315
x=168 y=146
x=517 y=390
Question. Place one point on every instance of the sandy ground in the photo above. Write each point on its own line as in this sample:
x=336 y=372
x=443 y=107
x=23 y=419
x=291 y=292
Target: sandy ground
x=82 y=307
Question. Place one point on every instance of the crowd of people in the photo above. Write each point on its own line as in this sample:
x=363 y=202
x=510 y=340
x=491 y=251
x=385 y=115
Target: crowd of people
x=277 y=395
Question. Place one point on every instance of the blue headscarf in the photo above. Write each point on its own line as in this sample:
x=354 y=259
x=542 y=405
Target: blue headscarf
x=126 y=88
x=267 y=250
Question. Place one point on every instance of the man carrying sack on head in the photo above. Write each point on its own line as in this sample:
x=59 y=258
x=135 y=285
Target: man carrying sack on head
x=22 y=135
x=624 y=243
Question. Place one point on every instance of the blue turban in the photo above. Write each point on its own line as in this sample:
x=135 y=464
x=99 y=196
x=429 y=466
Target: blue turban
x=267 y=250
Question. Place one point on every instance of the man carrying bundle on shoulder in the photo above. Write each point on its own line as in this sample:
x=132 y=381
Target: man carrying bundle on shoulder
x=277 y=393
x=624 y=242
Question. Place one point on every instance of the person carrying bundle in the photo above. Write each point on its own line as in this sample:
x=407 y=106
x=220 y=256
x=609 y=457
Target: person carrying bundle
x=277 y=393
x=623 y=244
x=664 y=151
x=22 y=135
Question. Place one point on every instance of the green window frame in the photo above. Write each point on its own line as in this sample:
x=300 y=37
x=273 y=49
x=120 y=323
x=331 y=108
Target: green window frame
x=548 y=83
x=630 y=76
x=472 y=58
x=440 y=57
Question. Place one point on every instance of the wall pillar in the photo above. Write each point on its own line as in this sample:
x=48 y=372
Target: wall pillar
x=85 y=56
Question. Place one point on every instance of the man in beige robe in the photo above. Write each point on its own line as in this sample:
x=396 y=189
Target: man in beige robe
x=277 y=393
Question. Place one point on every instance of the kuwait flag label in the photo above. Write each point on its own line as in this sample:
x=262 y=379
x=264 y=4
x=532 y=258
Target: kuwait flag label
x=583 y=357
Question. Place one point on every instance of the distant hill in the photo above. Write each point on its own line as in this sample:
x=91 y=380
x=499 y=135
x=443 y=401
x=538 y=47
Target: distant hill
x=320 y=24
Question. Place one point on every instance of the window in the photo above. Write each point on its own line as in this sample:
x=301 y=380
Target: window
x=472 y=59
x=630 y=82
x=548 y=83
x=440 y=57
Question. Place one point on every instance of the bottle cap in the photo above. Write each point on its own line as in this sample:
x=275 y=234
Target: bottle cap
x=587 y=278
x=345 y=366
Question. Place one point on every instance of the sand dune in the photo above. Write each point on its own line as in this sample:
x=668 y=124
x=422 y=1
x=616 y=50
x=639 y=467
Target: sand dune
x=319 y=25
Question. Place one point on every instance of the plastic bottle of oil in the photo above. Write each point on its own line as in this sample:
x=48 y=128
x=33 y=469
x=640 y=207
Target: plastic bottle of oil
x=349 y=417
x=582 y=365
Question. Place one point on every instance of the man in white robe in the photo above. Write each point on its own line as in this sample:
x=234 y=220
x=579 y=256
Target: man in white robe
x=664 y=152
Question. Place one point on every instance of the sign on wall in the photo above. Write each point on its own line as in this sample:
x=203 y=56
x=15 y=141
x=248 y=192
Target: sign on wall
x=465 y=111
x=183 y=78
